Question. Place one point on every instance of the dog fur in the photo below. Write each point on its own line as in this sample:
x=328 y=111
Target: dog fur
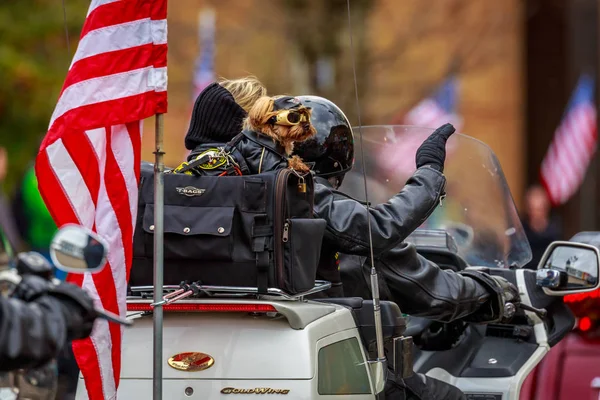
x=286 y=136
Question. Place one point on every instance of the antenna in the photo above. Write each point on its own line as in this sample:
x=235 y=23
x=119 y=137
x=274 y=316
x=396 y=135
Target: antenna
x=66 y=27
x=379 y=367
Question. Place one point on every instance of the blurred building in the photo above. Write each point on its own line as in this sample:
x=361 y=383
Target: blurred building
x=516 y=62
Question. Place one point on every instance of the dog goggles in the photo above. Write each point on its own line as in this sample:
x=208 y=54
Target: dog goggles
x=290 y=117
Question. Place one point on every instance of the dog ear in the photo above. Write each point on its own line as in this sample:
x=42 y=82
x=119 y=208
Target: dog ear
x=260 y=112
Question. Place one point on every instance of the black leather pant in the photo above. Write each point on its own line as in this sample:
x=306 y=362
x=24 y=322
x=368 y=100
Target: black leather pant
x=68 y=374
x=421 y=387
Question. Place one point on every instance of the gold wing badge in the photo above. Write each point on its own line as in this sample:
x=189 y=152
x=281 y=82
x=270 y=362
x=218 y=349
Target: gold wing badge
x=191 y=361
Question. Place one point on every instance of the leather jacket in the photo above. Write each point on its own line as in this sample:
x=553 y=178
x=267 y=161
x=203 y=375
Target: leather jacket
x=260 y=152
x=202 y=147
x=391 y=222
x=417 y=285
x=254 y=152
x=31 y=333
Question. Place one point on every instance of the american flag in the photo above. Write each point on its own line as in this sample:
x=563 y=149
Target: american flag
x=88 y=166
x=573 y=146
x=438 y=109
x=204 y=70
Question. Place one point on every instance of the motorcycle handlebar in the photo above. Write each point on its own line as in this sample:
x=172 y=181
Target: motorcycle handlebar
x=111 y=317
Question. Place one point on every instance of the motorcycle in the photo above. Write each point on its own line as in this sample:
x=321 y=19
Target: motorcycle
x=70 y=250
x=223 y=341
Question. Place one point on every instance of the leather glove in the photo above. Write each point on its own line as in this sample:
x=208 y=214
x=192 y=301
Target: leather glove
x=432 y=151
x=509 y=292
x=31 y=287
x=501 y=305
x=76 y=306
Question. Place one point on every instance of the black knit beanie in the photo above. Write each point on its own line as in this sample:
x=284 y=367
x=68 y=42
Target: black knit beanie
x=216 y=117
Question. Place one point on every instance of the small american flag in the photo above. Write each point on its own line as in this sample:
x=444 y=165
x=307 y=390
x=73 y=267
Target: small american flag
x=438 y=109
x=204 y=71
x=88 y=166
x=573 y=146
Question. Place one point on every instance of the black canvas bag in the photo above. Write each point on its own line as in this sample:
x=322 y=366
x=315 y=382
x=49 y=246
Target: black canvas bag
x=250 y=230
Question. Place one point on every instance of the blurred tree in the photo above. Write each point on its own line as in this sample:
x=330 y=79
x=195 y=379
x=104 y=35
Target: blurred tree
x=323 y=61
x=33 y=63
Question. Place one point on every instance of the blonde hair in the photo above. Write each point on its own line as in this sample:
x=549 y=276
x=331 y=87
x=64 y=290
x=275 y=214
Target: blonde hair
x=260 y=113
x=246 y=91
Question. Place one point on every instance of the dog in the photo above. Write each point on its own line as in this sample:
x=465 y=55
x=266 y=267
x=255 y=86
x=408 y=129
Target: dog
x=285 y=120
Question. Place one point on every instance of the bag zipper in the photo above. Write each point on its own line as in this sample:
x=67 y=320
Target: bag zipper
x=280 y=230
x=312 y=196
x=286 y=229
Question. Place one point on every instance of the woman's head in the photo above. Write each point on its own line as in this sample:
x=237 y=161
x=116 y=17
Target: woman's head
x=246 y=91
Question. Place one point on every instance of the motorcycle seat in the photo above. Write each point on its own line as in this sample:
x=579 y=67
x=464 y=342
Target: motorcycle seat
x=392 y=321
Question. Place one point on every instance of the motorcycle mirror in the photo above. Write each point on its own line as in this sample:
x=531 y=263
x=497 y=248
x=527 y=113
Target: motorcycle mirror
x=569 y=267
x=78 y=250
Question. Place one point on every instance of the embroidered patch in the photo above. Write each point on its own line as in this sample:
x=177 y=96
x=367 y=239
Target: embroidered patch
x=217 y=159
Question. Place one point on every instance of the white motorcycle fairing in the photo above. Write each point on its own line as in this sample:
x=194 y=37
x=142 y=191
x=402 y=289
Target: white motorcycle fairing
x=496 y=387
x=260 y=353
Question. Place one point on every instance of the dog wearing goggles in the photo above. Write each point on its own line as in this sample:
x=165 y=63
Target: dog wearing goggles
x=285 y=120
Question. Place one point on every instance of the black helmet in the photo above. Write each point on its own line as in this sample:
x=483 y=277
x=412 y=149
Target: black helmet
x=330 y=153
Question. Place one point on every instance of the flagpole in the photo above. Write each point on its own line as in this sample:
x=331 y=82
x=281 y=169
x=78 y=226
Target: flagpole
x=158 y=257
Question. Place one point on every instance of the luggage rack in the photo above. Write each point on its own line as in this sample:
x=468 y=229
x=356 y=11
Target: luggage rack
x=178 y=292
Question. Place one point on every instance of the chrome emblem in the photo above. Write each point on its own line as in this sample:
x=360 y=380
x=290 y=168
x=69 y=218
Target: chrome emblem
x=190 y=191
x=230 y=390
x=191 y=361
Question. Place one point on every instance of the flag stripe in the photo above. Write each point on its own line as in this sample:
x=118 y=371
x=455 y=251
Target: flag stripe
x=104 y=336
x=122 y=147
x=63 y=165
x=106 y=225
x=107 y=13
x=86 y=160
x=101 y=339
x=88 y=356
x=118 y=214
x=116 y=62
x=103 y=89
x=120 y=37
x=98 y=3
x=116 y=13
x=112 y=112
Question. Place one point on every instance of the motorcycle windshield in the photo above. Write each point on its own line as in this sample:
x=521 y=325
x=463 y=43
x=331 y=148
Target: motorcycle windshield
x=478 y=212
